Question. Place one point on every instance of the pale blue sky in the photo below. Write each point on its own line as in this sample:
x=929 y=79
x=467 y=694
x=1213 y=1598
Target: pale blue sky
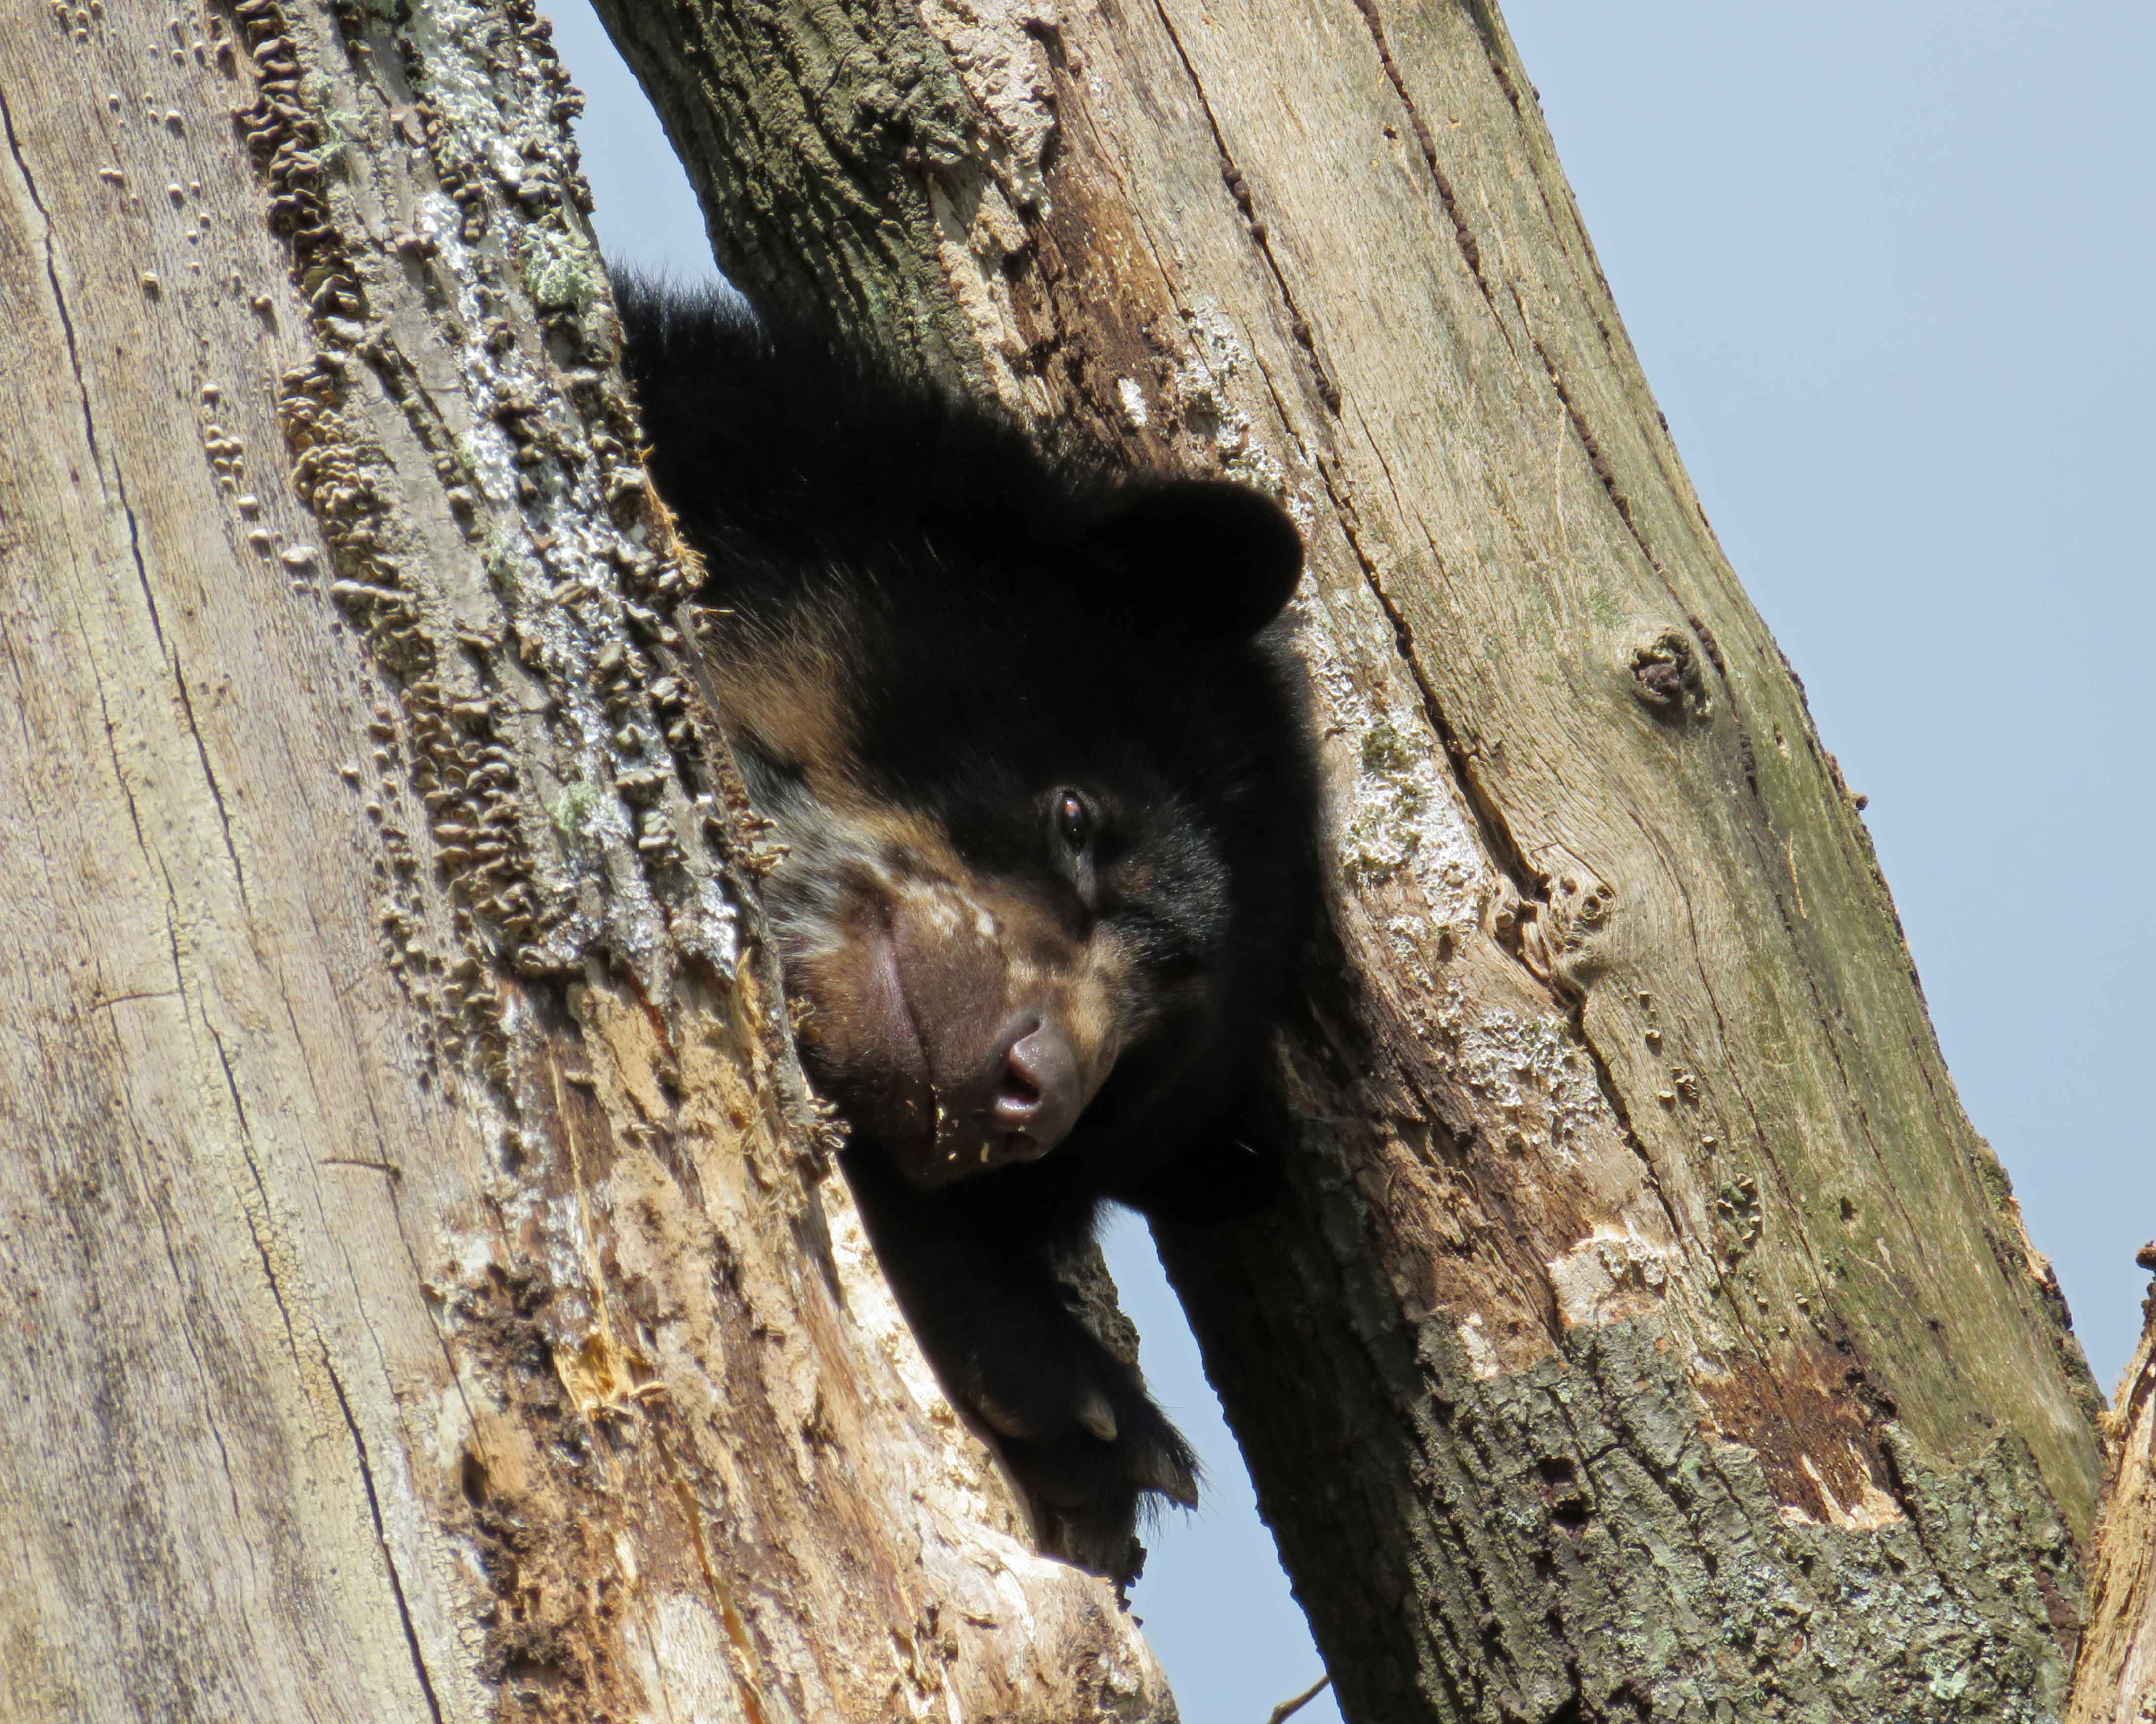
x=1889 y=267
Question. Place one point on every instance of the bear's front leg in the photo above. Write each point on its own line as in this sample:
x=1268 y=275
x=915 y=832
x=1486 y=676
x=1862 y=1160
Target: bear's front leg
x=1071 y=1420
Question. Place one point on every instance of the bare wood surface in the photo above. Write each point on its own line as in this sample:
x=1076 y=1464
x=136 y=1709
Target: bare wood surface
x=2115 y=1679
x=430 y=1297
x=1651 y=1335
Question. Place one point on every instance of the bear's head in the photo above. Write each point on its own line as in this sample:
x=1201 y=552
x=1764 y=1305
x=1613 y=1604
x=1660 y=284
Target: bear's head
x=1045 y=809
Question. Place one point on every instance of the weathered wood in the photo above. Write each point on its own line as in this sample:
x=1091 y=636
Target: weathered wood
x=2115 y=1678
x=1650 y=1334
x=430 y=1297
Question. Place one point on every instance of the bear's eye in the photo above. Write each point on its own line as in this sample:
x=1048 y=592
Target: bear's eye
x=1074 y=821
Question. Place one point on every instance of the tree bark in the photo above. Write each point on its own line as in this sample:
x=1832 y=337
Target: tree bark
x=430 y=1298
x=2115 y=1679
x=1649 y=1333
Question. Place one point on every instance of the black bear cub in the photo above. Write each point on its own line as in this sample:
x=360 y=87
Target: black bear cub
x=1038 y=767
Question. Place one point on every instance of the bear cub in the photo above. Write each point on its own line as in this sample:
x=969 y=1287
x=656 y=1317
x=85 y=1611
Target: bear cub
x=1036 y=756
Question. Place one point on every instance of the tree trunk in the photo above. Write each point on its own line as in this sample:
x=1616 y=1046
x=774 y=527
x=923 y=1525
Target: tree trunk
x=2115 y=1681
x=1649 y=1333
x=430 y=1298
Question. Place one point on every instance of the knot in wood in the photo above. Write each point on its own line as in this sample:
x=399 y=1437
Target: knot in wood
x=1665 y=676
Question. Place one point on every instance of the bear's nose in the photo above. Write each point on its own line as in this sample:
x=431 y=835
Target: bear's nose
x=1038 y=1095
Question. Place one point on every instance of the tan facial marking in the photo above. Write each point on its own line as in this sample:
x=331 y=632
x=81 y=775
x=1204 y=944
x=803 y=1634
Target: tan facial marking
x=775 y=688
x=928 y=971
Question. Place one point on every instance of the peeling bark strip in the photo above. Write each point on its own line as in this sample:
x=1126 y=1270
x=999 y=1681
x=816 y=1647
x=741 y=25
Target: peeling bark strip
x=1651 y=1335
x=430 y=1299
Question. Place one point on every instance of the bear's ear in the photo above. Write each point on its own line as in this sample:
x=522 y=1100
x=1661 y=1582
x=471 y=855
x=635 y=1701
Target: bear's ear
x=1214 y=560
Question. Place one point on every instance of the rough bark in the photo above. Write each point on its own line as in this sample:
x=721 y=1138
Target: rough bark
x=430 y=1297
x=2115 y=1679
x=1650 y=1333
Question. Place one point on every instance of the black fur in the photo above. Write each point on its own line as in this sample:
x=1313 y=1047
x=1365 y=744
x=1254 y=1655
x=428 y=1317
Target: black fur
x=946 y=631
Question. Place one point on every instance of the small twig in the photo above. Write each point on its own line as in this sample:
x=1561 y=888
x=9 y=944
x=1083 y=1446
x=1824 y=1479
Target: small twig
x=1288 y=1708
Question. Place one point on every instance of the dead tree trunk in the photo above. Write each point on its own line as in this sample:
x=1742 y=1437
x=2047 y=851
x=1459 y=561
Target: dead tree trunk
x=429 y=1301
x=2115 y=1679
x=1650 y=1334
